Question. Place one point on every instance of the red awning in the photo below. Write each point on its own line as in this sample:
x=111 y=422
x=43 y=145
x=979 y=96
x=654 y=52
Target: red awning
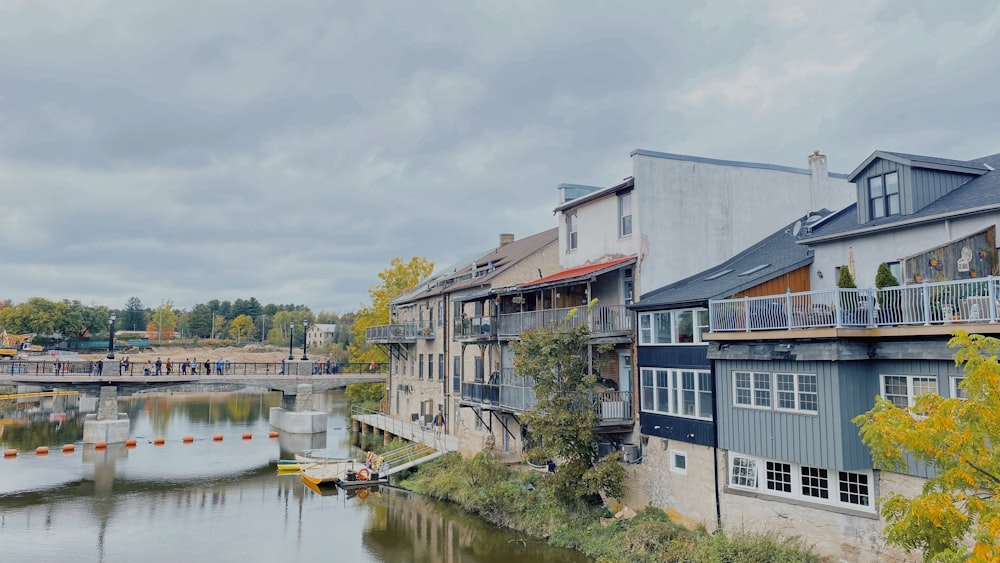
x=580 y=272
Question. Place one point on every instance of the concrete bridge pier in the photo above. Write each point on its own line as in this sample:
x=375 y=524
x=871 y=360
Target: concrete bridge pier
x=108 y=425
x=300 y=419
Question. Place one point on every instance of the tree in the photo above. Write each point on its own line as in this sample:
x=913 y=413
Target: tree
x=76 y=320
x=241 y=328
x=564 y=418
x=397 y=279
x=163 y=321
x=958 y=436
x=884 y=278
x=845 y=280
x=199 y=321
x=134 y=317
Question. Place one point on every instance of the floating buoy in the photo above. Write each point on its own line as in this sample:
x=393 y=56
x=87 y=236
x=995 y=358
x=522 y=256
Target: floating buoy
x=159 y=441
x=187 y=439
x=272 y=434
x=100 y=445
x=130 y=443
x=10 y=453
x=42 y=450
x=363 y=493
x=247 y=435
x=217 y=437
x=68 y=448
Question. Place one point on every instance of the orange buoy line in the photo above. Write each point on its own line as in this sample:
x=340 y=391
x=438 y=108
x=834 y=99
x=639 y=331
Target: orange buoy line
x=10 y=453
x=101 y=446
x=247 y=435
x=217 y=437
x=129 y=443
x=272 y=434
x=159 y=441
x=68 y=448
x=187 y=439
x=42 y=450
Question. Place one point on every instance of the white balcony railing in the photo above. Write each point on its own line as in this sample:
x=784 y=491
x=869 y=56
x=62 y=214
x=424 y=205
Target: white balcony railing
x=961 y=301
x=603 y=319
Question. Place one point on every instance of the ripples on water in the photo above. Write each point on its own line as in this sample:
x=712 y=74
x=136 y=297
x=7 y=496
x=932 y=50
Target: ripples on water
x=218 y=501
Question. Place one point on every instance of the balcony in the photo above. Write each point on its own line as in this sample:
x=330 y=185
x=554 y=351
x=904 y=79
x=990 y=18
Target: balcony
x=473 y=329
x=517 y=394
x=399 y=333
x=927 y=308
x=605 y=320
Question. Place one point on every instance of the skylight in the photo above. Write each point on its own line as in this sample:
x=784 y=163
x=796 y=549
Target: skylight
x=718 y=274
x=754 y=270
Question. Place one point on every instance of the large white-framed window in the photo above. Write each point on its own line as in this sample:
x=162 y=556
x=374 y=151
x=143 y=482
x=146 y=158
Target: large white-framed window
x=850 y=489
x=571 y=231
x=625 y=214
x=903 y=390
x=678 y=392
x=680 y=326
x=786 y=392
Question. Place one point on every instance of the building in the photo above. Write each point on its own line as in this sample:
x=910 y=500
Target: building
x=793 y=368
x=320 y=335
x=429 y=358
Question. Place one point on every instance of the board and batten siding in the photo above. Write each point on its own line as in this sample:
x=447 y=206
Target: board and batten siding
x=808 y=439
x=858 y=387
x=930 y=185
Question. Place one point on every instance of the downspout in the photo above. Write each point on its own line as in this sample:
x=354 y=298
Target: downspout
x=590 y=346
x=446 y=350
x=715 y=450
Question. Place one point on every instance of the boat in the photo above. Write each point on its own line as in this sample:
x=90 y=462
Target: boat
x=322 y=491
x=288 y=465
x=326 y=472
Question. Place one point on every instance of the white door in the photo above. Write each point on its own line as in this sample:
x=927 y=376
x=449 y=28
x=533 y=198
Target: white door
x=625 y=370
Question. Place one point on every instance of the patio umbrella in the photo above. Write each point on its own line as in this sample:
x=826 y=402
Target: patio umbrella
x=850 y=260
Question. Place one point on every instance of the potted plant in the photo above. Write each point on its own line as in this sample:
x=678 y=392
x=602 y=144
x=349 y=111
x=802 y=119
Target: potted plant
x=973 y=273
x=984 y=252
x=933 y=260
x=918 y=276
x=888 y=301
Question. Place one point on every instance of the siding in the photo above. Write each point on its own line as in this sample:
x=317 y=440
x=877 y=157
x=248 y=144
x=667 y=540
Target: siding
x=688 y=430
x=800 y=438
x=795 y=281
x=877 y=167
x=691 y=357
x=929 y=185
x=857 y=388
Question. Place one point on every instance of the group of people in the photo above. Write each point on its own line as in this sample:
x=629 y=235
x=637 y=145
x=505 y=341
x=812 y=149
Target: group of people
x=154 y=368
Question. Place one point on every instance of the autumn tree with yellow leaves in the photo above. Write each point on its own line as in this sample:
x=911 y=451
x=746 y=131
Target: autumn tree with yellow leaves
x=957 y=515
x=397 y=279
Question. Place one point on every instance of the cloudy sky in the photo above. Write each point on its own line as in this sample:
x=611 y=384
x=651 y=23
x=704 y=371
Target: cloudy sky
x=192 y=150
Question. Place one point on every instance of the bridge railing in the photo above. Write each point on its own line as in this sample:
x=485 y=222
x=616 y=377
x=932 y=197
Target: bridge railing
x=90 y=367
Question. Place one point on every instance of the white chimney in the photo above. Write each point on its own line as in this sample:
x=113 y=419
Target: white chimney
x=818 y=182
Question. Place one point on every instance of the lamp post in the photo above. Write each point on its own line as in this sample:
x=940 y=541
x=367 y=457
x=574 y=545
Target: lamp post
x=291 y=330
x=111 y=336
x=305 y=325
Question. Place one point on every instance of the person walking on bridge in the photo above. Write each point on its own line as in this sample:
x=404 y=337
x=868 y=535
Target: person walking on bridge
x=194 y=366
x=208 y=367
x=170 y=366
x=159 y=367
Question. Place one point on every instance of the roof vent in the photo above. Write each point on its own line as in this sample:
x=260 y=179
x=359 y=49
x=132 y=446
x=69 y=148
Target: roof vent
x=718 y=274
x=754 y=270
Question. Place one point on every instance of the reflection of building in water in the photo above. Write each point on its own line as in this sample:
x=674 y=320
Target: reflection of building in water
x=408 y=527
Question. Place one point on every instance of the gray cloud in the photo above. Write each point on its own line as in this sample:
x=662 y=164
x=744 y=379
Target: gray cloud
x=190 y=151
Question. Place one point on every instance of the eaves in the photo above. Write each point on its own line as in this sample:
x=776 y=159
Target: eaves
x=906 y=223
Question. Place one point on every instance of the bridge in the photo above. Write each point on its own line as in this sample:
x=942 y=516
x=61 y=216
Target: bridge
x=83 y=376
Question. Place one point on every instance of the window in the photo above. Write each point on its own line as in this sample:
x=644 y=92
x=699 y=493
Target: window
x=956 y=388
x=430 y=367
x=793 y=392
x=801 y=482
x=853 y=488
x=903 y=390
x=571 y=234
x=683 y=326
x=456 y=374
x=420 y=366
x=440 y=366
x=678 y=462
x=815 y=482
x=743 y=472
x=686 y=393
x=883 y=195
x=625 y=214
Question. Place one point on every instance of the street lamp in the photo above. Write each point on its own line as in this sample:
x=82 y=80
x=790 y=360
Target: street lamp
x=111 y=336
x=305 y=325
x=291 y=330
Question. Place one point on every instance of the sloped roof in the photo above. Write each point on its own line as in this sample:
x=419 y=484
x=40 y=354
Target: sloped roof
x=920 y=161
x=323 y=327
x=579 y=273
x=481 y=270
x=981 y=194
x=771 y=257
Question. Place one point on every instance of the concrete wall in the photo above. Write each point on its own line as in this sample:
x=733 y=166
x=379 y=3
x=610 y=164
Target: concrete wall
x=597 y=233
x=689 y=498
x=693 y=214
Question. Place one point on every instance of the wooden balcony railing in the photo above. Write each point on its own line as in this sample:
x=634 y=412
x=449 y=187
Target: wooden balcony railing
x=947 y=302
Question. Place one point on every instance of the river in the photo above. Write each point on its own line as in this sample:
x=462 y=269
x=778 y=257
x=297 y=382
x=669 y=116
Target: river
x=214 y=500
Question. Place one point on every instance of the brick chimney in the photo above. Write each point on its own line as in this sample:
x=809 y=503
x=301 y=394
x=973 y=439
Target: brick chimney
x=819 y=181
x=506 y=238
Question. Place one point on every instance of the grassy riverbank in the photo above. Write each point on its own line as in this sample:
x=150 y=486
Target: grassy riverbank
x=524 y=500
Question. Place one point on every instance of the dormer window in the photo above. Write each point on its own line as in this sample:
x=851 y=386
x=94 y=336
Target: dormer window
x=883 y=195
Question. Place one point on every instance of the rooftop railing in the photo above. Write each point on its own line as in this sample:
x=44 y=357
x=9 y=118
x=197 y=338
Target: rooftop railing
x=945 y=302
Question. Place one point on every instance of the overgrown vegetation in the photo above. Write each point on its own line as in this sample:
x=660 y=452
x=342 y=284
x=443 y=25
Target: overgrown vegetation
x=563 y=420
x=531 y=502
x=365 y=395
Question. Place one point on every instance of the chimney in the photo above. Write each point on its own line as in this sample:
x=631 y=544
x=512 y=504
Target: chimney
x=818 y=182
x=506 y=238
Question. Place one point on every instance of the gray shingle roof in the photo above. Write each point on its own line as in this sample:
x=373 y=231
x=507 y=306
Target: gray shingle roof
x=980 y=194
x=778 y=253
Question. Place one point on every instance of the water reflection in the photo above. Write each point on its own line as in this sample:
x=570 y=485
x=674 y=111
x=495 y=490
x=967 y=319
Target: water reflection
x=216 y=500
